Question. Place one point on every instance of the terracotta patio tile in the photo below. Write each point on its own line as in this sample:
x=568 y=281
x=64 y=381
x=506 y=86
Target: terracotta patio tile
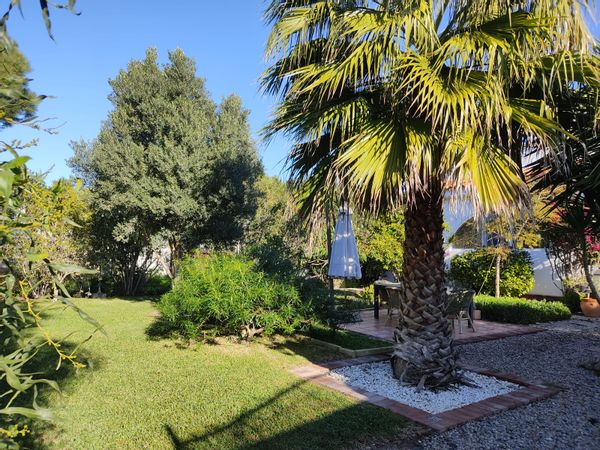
x=383 y=328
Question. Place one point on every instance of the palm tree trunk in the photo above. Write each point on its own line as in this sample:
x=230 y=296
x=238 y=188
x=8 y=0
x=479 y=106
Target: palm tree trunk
x=424 y=353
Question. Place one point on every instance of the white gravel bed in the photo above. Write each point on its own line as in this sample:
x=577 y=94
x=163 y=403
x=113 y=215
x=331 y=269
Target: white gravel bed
x=568 y=420
x=378 y=378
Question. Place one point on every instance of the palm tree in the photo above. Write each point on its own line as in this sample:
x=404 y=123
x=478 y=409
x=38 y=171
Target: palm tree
x=397 y=102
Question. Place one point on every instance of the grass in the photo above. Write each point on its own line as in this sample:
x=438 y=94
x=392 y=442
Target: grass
x=152 y=393
x=345 y=338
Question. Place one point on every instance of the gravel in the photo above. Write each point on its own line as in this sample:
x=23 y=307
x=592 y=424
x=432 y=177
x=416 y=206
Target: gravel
x=378 y=377
x=568 y=420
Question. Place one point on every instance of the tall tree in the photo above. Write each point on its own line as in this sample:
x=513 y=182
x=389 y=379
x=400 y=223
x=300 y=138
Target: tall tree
x=394 y=101
x=17 y=102
x=272 y=214
x=231 y=192
x=167 y=165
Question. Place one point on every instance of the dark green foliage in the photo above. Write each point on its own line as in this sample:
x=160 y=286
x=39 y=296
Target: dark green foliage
x=275 y=258
x=572 y=300
x=475 y=270
x=518 y=310
x=169 y=169
x=380 y=245
x=17 y=102
x=275 y=204
x=157 y=285
x=223 y=294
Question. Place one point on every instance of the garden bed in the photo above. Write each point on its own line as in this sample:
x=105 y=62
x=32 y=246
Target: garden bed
x=378 y=377
x=503 y=392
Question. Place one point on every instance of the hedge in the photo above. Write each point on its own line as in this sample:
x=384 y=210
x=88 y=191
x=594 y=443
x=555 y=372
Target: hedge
x=521 y=311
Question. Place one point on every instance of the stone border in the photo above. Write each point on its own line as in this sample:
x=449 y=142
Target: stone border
x=442 y=421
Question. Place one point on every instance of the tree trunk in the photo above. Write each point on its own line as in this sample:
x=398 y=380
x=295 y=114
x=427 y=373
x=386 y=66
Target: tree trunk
x=586 y=268
x=424 y=353
x=176 y=250
x=498 y=260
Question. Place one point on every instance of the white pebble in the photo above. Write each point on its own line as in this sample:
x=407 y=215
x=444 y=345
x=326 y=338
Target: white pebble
x=378 y=378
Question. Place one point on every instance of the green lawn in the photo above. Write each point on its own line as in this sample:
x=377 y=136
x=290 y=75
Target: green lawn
x=160 y=394
x=345 y=338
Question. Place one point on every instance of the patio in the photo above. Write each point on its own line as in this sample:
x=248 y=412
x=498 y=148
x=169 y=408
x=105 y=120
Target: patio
x=383 y=328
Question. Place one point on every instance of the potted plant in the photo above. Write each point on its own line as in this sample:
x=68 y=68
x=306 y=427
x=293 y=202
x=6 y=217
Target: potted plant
x=590 y=306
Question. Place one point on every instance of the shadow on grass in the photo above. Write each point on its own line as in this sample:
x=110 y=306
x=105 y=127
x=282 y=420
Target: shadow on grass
x=44 y=364
x=303 y=346
x=136 y=299
x=356 y=425
x=160 y=329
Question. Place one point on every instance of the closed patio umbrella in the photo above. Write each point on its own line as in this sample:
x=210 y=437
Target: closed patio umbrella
x=343 y=262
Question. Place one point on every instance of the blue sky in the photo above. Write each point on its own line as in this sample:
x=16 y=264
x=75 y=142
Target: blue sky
x=226 y=38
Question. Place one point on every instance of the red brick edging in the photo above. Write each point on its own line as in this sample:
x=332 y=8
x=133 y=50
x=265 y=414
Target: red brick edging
x=319 y=373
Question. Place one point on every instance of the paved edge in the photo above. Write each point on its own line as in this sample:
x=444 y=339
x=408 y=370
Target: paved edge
x=473 y=339
x=528 y=393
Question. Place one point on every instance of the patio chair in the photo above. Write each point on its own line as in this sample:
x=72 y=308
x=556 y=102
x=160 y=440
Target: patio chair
x=384 y=296
x=460 y=307
x=394 y=299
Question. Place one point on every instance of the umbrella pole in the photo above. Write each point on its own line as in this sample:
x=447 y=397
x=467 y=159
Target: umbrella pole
x=329 y=279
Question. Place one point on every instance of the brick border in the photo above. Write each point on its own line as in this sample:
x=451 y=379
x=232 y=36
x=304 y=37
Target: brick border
x=528 y=393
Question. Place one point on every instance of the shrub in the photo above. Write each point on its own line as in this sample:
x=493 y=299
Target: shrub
x=572 y=300
x=223 y=294
x=476 y=270
x=279 y=262
x=157 y=285
x=274 y=257
x=518 y=310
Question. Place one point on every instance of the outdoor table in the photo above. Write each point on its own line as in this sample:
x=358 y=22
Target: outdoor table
x=381 y=284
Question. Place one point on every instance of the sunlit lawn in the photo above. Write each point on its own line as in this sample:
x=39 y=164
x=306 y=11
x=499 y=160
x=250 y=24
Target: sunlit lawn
x=156 y=394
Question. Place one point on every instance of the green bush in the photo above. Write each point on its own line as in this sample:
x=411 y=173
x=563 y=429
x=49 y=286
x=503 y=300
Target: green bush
x=280 y=262
x=572 y=300
x=274 y=257
x=157 y=285
x=476 y=270
x=518 y=310
x=223 y=294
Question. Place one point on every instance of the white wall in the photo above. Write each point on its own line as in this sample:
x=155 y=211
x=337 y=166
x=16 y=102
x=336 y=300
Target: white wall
x=545 y=283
